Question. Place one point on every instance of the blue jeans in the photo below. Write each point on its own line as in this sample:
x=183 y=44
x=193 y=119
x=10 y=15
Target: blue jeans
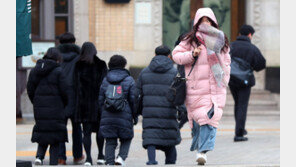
x=203 y=136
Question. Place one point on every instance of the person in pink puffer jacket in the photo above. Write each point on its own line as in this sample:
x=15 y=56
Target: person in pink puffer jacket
x=205 y=98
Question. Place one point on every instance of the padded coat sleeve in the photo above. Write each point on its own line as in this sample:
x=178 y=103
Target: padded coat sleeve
x=182 y=54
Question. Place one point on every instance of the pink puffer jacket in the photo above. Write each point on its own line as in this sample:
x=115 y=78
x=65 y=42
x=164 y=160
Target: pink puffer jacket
x=202 y=89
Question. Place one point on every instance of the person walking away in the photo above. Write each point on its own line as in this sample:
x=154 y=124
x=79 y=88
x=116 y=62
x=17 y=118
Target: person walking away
x=116 y=103
x=160 y=125
x=89 y=74
x=70 y=53
x=244 y=49
x=207 y=81
x=47 y=90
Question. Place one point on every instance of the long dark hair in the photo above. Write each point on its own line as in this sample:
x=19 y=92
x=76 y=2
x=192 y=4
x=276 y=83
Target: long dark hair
x=53 y=54
x=88 y=52
x=191 y=37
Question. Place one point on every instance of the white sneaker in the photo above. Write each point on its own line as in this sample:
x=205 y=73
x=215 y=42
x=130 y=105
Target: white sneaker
x=38 y=161
x=119 y=161
x=201 y=158
x=87 y=164
x=101 y=162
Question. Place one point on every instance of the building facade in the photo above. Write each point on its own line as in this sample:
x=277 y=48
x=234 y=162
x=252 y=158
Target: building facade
x=134 y=28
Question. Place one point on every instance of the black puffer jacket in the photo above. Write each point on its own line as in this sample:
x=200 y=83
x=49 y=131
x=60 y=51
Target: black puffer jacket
x=244 y=49
x=88 y=79
x=70 y=54
x=47 y=90
x=160 y=126
x=118 y=125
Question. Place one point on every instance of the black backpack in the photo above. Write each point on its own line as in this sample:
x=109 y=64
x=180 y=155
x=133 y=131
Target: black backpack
x=177 y=91
x=241 y=74
x=115 y=100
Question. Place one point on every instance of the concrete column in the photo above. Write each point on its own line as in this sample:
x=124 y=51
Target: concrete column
x=264 y=17
x=81 y=21
x=47 y=26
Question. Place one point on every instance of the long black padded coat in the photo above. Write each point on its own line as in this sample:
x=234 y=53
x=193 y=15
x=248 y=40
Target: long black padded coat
x=70 y=53
x=47 y=90
x=88 y=79
x=118 y=125
x=160 y=126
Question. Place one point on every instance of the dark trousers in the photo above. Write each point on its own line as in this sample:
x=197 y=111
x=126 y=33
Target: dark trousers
x=53 y=152
x=241 y=99
x=170 y=154
x=87 y=130
x=100 y=144
x=77 y=141
x=111 y=144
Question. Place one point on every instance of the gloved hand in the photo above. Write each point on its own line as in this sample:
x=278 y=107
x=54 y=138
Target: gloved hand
x=135 y=120
x=182 y=112
x=179 y=115
x=182 y=116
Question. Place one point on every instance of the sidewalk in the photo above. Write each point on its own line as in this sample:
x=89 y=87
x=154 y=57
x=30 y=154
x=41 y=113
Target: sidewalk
x=262 y=149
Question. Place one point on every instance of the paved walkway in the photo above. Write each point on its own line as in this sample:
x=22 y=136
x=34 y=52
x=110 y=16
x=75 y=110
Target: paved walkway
x=262 y=149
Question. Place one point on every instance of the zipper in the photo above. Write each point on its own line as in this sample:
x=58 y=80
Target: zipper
x=114 y=91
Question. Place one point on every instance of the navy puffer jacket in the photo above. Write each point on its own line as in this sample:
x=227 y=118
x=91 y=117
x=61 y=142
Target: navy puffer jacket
x=160 y=126
x=47 y=90
x=118 y=125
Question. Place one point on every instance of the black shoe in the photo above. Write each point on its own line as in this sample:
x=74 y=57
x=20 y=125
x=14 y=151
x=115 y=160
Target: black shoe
x=240 y=138
x=245 y=132
x=151 y=163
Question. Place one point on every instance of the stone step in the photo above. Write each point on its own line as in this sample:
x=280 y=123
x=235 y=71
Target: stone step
x=261 y=102
x=255 y=107
x=255 y=94
x=253 y=102
x=254 y=113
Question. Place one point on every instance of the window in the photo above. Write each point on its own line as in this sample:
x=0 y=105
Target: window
x=62 y=16
x=51 y=18
x=35 y=20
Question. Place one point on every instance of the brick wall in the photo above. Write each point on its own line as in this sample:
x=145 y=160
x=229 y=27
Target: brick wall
x=111 y=26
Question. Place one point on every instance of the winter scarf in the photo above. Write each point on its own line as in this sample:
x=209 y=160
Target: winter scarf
x=213 y=39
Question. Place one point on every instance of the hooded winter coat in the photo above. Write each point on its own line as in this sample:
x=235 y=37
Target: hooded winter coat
x=47 y=90
x=202 y=89
x=70 y=54
x=88 y=79
x=120 y=124
x=160 y=126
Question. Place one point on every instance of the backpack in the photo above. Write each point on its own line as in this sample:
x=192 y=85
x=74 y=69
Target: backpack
x=241 y=74
x=177 y=91
x=115 y=100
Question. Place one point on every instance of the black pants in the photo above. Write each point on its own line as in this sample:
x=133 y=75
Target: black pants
x=77 y=141
x=170 y=154
x=87 y=131
x=53 y=152
x=111 y=144
x=241 y=99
